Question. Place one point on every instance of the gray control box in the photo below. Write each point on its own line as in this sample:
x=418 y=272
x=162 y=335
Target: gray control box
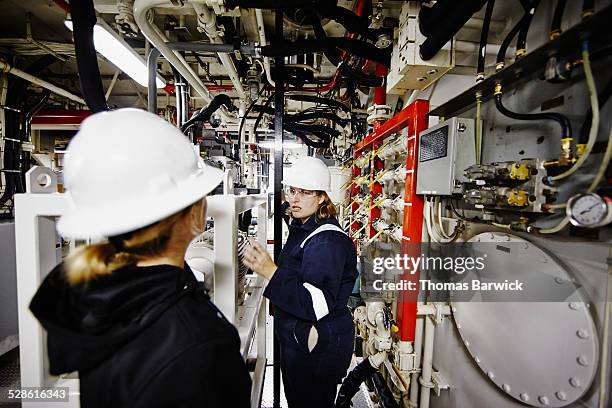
x=445 y=151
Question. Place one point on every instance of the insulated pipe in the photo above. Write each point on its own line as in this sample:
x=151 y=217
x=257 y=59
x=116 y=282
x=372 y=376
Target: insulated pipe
x=261 y=29
x=446 y=29
x=418 y=350
x=427 y=365
x=380 y=93
x=141 y=7
x=430 y=17
x=5 y=67
x=208 y=21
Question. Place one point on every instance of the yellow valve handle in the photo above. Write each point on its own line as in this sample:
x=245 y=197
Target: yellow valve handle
x=379 y=202
x=382 y=147
x=359 y=230
x=375 y=236
x=367 y=200
x=394 y=328
x=377 y=178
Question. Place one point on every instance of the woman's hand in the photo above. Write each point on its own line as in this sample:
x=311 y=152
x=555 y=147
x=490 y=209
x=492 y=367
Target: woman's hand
x=258 y=260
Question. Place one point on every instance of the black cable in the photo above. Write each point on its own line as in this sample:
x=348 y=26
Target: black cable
x=316 y=99
x=83 y=19
x=588 y=7
x=206 y=112
x=324 y=132
x=246 y=113
x=260 y=116
x=503 y=48
x=555 y=26
x=484 y=35
x=562 y=120
x=328 y=45
x=352 y=382
x=521 y=42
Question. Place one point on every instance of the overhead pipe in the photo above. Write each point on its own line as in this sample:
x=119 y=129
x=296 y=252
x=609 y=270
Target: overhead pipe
x=154 y=54
x=261 y=29
x=431 y=17
x=5 y=67
x=446 y=28
x=207 y=20
x=141 y=7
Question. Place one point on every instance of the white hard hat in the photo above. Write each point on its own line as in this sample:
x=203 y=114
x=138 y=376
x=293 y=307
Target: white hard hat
x=126 y=169
x=308 y=173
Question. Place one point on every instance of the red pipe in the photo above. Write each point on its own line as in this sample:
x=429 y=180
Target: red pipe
x=412 y=226
x=60 y=117
x=380 y=93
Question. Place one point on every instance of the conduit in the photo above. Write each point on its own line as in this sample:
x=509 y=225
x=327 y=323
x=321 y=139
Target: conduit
x=5 y=67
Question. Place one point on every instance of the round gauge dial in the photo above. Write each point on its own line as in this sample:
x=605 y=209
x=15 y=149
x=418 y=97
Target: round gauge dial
x=586 y=210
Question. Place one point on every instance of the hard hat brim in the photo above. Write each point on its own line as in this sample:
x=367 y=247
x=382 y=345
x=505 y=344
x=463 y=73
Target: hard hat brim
x=126 y=216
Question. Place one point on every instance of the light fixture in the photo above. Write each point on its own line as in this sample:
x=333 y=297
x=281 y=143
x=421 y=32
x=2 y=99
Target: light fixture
x=270 y=144
x=119 y=53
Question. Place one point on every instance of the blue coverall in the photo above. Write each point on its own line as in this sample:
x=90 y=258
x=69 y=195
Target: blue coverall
x=310 y=289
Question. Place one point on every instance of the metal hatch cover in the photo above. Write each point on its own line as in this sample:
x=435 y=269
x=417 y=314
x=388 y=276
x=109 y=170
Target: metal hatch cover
x=544 y=354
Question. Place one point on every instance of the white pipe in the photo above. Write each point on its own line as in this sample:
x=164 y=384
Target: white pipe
x=208 y=20
x=261 y=28
x=141 y=7
x=425 y=379
x=180 y=57
x=5 y=67
x=418 y=350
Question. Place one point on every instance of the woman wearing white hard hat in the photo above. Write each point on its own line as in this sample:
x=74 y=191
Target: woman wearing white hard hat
x=127 y=313
x=309 y=289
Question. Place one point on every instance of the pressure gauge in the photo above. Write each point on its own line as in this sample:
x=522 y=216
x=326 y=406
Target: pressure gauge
x=589 y=210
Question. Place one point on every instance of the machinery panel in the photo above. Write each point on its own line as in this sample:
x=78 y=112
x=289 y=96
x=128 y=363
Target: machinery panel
x=445 y=151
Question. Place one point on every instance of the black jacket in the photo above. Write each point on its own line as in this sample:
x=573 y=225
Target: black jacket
x=142 y=337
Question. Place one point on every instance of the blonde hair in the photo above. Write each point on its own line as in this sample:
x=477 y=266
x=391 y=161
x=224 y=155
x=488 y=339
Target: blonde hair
x=326 y=209
x=88 y=262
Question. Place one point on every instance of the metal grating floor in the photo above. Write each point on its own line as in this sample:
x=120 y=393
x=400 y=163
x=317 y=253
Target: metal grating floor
x=10 y=376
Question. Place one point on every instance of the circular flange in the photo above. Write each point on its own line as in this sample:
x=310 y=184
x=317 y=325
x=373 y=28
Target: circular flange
x=544 y=354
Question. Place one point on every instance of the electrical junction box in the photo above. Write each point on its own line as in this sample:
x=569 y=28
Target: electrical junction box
x=408 y=70
x=445 y=151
